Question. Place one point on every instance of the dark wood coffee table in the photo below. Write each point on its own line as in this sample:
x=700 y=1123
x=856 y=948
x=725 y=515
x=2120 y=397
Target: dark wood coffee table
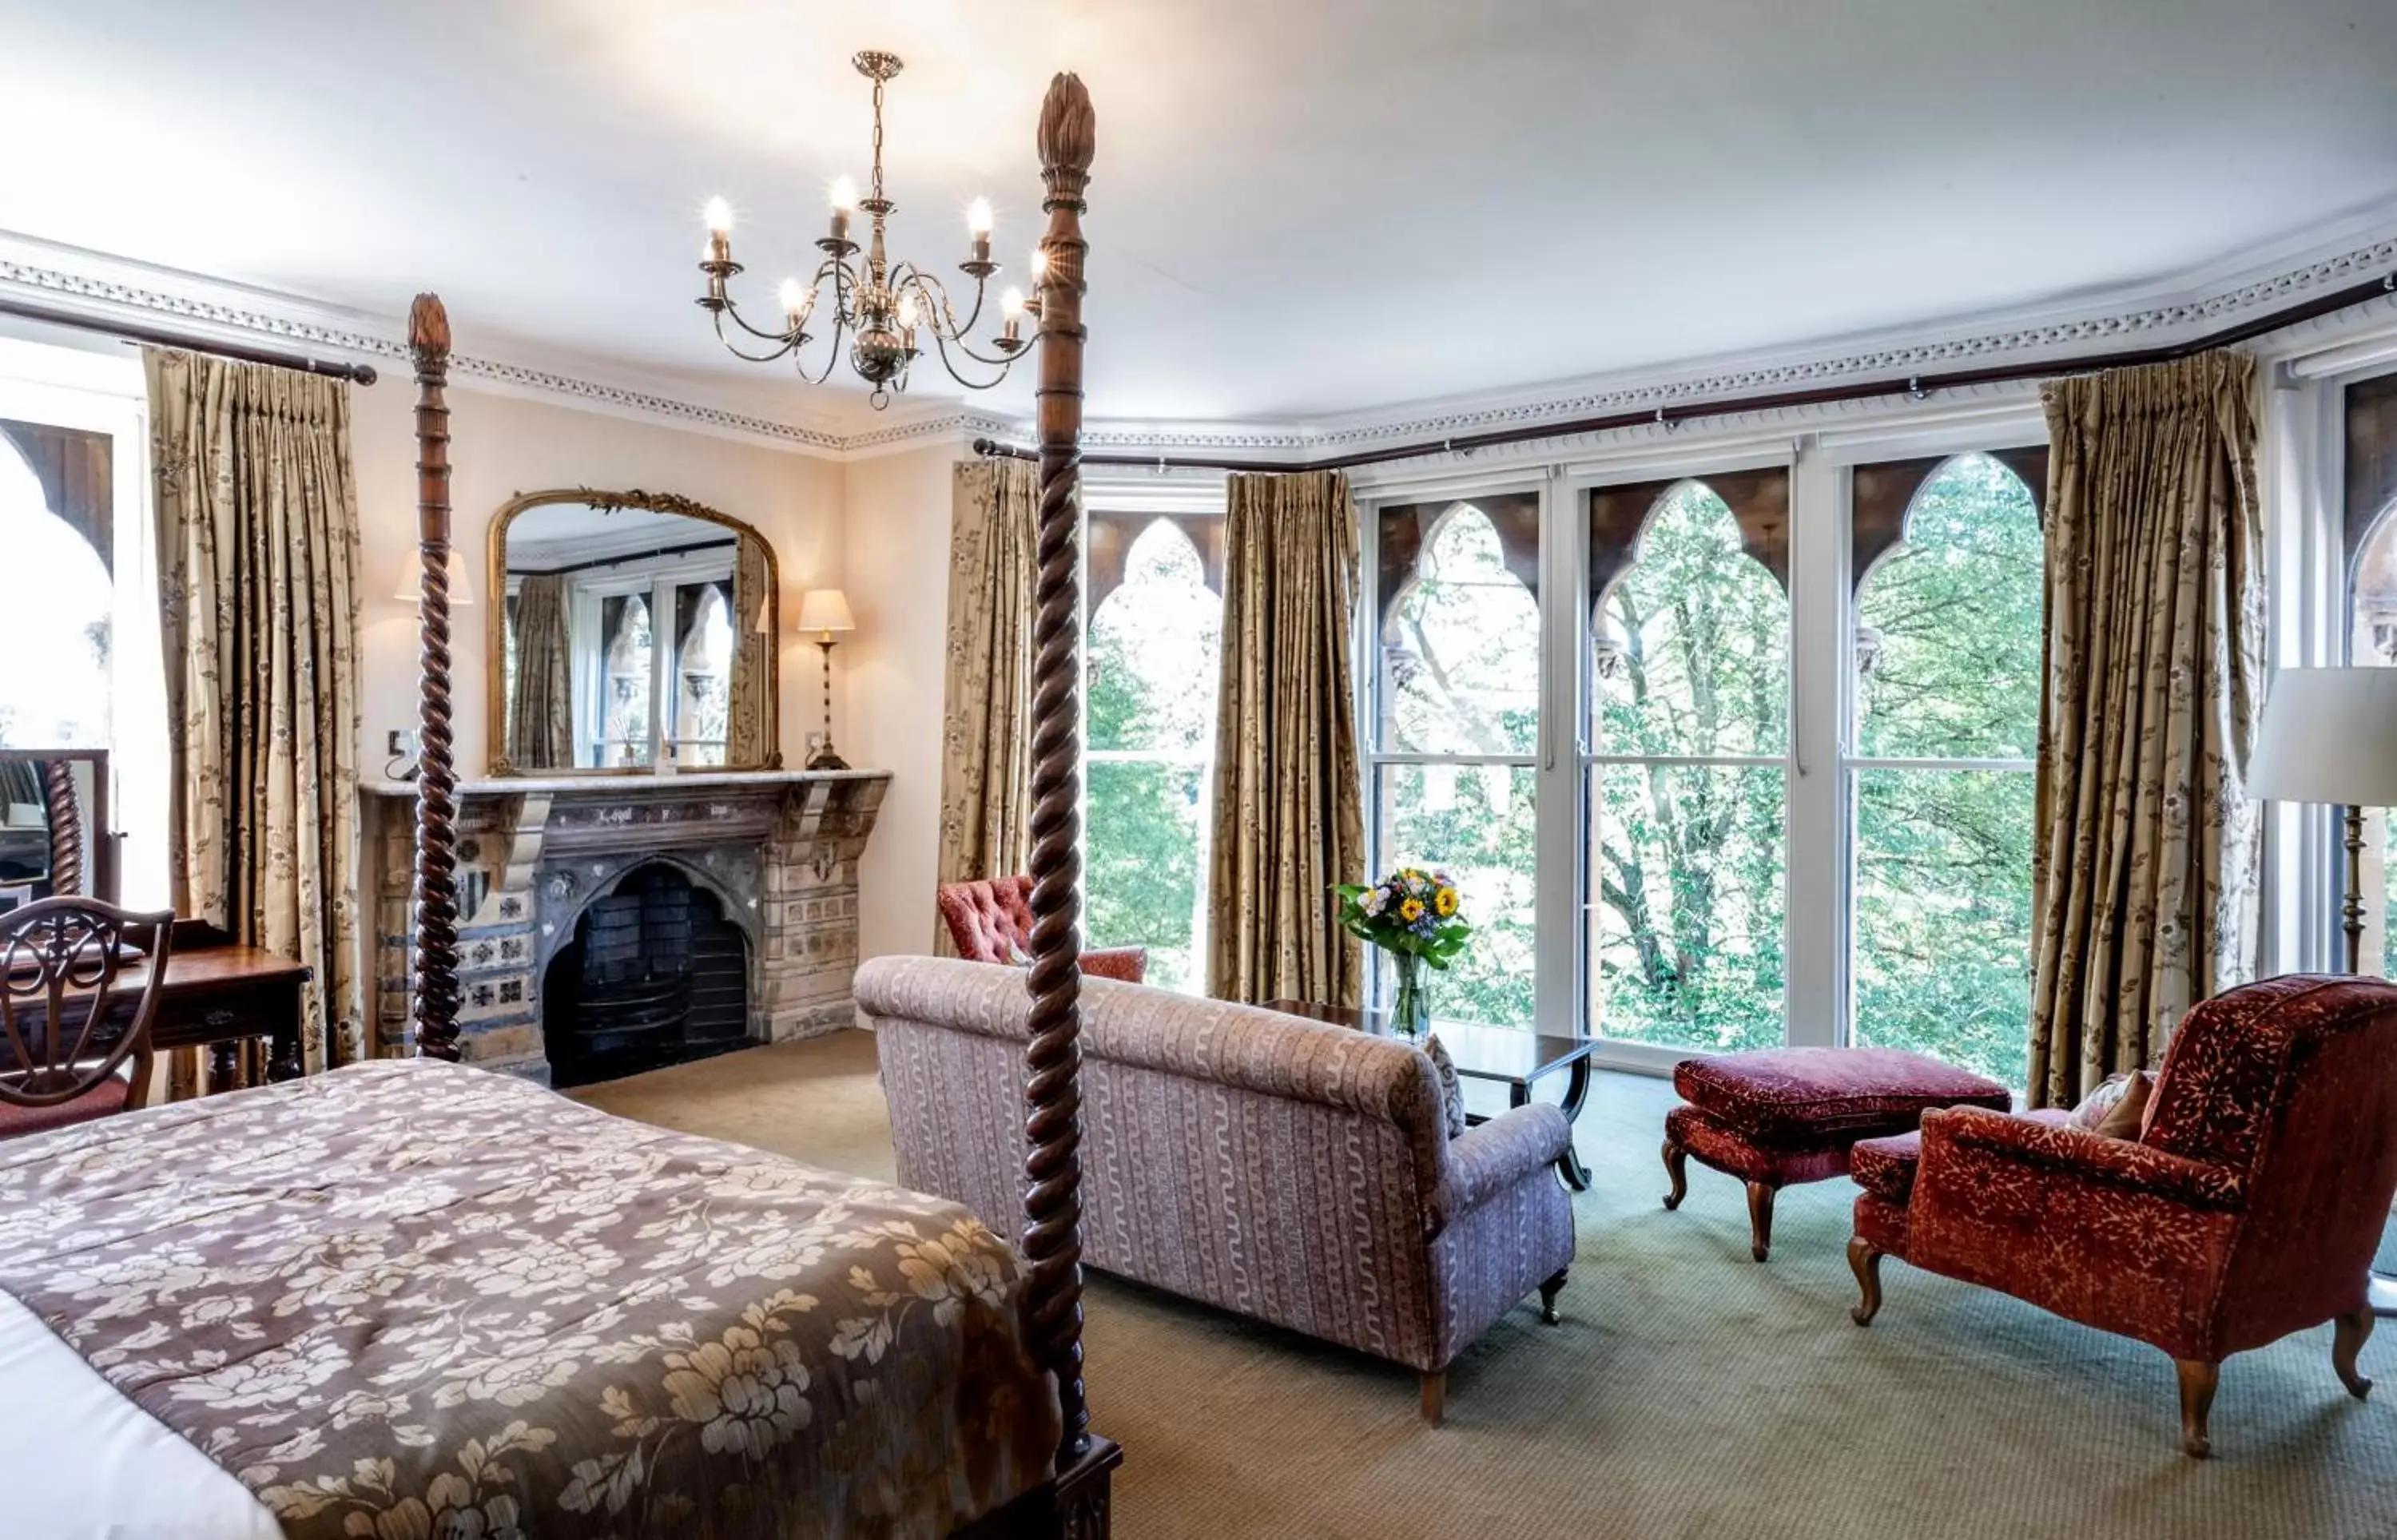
x=1513 y=1056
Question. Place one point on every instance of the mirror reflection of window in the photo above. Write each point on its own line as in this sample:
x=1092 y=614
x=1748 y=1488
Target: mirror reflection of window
x=704 y=671
x=624 y=684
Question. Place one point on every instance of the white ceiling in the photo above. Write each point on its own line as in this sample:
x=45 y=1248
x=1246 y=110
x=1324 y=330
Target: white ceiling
x=1297 y=209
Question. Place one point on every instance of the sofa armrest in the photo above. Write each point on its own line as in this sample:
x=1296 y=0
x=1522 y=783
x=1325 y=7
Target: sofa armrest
x=1964 y=1147
x=1129 y=964
x=1488 y=1158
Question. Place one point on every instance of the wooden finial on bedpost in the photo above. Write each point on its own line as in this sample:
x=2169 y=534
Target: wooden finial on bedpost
x=435 y=1007
x=1053 y=1207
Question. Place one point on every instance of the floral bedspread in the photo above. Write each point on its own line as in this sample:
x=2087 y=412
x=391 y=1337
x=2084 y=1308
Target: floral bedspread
x=407 y=1299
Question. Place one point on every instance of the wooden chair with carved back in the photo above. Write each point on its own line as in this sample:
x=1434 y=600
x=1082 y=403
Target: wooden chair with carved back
x=72 y=1020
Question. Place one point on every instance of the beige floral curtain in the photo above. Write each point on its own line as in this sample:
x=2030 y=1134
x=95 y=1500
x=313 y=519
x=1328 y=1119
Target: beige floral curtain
x=2144 y=875
x=748 y=719
x=1289 y=820
x=258 y=536
x=540 y=715
x=987 y=744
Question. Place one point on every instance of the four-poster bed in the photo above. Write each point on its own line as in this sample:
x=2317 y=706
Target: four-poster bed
x=408 y=1296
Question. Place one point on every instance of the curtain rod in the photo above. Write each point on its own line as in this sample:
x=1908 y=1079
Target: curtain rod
x=1916 y=385
x=629 y=556
x=360 y=374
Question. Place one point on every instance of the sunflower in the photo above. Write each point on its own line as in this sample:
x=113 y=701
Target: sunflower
x=1411 y=911
x=1443 y=903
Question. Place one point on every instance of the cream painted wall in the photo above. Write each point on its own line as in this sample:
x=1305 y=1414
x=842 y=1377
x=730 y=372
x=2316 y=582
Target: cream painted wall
x=897 y=574
x=501 y=445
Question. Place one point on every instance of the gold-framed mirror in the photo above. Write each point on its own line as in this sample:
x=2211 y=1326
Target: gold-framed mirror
x=630 y=633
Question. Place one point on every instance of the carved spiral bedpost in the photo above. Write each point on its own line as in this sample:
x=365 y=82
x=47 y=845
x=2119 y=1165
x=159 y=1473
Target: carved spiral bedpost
x=1053 y=1207
x=66 y=830
x=436 y=1003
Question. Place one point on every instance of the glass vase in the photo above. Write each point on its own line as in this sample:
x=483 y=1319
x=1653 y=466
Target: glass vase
x=1410 y=1002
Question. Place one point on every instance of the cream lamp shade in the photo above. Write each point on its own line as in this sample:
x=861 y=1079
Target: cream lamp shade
x=462 y=593
x=2329 y=735
x=825 y=610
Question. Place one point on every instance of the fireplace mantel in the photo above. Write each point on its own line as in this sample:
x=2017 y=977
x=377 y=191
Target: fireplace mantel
x=778 y=848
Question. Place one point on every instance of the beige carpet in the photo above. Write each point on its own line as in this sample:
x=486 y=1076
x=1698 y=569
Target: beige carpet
x=1688 y=1393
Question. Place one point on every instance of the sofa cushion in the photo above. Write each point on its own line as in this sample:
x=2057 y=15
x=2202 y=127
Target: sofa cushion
x=2117 y=1107
x=1884 y=1167
x=1810 y=1096
x=1452 y=1092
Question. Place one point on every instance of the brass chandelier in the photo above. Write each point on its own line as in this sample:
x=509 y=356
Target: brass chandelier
x=883 y=308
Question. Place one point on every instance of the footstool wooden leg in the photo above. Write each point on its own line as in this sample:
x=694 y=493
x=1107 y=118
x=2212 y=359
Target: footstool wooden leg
x=1676 y=1166
x=1866 y=1261
x=2346 y=1341
x=2197 y=1382
x=1435 y=1397
x=1548 y=1292
x=1760 y=1220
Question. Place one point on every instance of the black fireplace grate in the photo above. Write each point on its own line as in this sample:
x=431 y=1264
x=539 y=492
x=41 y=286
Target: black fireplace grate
x=655 y=975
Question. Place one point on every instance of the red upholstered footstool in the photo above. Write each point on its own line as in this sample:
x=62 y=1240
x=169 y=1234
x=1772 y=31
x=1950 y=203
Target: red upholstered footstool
x=1788 y=1115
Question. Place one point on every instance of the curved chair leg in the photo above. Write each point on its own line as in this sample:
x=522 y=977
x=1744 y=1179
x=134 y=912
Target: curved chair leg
x=2197 y=1382
x=1866 y=1261
x=1548 y=1292
x=1435 y=1397
x=2353 y=1327
x=1676 y=1166
x=1760 y=1219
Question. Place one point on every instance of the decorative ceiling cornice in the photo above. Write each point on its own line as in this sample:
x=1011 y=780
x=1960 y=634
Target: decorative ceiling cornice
x=2161 y=313
x=106 y=294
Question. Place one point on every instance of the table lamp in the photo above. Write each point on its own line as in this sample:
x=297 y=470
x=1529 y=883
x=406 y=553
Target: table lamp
x=825 y=611
x=412 y=577
x=2330 y=735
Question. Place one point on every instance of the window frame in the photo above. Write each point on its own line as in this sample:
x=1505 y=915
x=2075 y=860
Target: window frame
x=1135 y=515
x=105 y=392
x=1850 y=767
x=1593 y=759
x=1817 y=864
x=1366 y=674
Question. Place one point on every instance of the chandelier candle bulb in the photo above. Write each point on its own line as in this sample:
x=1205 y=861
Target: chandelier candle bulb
x=978 y=223
x=843 y=203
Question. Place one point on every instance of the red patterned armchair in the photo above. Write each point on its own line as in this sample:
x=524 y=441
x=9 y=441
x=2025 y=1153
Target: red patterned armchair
x=2248 y=1207
x=990 y=922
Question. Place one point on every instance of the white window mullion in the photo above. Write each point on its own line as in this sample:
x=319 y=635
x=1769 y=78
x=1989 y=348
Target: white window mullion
x=1815 y=930
x=1556 y=997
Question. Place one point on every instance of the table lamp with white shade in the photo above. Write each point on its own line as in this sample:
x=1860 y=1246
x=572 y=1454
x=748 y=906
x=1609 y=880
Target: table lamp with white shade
x=825 y=611
x=2330 y=735
x=412 y=577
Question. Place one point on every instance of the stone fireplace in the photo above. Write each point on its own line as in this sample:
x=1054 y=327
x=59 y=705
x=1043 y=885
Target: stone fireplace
x=609 y=924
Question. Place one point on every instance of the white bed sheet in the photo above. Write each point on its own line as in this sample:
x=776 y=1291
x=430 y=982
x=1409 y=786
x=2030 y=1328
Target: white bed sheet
x=78 y=1461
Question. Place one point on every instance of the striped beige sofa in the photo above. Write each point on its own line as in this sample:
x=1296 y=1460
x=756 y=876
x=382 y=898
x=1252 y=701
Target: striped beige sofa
x=1289 y=1171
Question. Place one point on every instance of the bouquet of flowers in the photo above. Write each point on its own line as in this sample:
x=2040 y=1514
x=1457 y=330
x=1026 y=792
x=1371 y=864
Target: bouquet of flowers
x=1415 y=916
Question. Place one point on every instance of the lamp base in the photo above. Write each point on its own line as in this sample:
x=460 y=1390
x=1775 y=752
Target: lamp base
x=2383 y=1295
x=824 y=759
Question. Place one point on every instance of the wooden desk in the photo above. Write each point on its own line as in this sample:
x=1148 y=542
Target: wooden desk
x=216 y=997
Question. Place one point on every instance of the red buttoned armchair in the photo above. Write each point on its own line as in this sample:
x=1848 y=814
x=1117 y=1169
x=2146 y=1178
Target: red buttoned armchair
x=2249 y=1206
x=990 y=922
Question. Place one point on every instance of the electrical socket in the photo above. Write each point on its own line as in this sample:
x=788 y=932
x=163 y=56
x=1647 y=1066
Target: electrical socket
x=815 y=741
x=399 y=741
